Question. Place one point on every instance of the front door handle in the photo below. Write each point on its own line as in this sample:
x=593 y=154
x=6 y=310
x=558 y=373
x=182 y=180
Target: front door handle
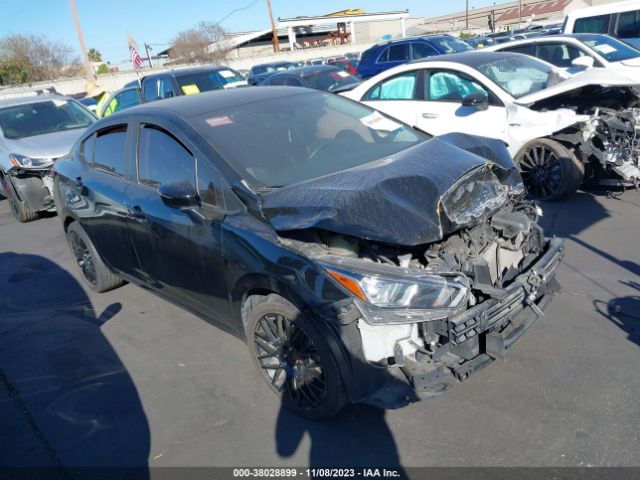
x=136 y=212
x=429 y=115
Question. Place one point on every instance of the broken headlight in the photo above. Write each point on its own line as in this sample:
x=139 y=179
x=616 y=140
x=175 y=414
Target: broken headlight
x=389 y=294
x=20 y=161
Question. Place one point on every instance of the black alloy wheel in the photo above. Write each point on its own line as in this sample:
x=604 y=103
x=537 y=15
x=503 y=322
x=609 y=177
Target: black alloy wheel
x=290 y=361
x=541 y=172
x=83 y=257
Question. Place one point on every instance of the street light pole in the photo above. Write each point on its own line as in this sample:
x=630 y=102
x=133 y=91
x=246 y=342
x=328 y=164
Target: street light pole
x=90 y=75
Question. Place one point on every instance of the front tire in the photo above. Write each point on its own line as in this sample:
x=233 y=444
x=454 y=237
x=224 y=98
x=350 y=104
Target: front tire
x=94 y=272
x=293 y=358
x=18 y=208
x=549 y=170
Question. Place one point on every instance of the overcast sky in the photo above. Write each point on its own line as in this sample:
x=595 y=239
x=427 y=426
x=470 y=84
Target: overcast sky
x=105 y=23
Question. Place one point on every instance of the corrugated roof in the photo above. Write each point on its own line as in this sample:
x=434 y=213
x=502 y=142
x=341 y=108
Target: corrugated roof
x=537 y=9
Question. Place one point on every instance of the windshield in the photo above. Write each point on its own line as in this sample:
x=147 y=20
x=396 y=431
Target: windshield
x=206 y=81
x=611 y=49
x=331 y=81
x=40 y=118
x=450 y=45
x=520 y=75
x=288 y=139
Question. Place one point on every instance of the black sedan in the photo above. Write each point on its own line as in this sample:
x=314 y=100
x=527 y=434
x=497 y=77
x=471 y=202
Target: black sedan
x=361 y=260
x=329 y=78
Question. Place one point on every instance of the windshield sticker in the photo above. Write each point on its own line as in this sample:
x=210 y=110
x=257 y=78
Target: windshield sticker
x=218 y=121
x=190 y=89
x=343 y=74
x=377 y=122
x=604 y=49
x=226 y=73
x=59 y=103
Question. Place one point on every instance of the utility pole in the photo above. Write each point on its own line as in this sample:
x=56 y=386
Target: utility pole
x=466 y=16
x=274 y=33
x=519 y=13
x=90 y=75
x=147 y=48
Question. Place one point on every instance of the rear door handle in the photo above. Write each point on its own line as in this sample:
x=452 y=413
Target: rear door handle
x=136 y=212
x=429 y=115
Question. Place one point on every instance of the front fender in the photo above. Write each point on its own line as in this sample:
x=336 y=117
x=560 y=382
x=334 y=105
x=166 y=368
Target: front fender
x=31 y=190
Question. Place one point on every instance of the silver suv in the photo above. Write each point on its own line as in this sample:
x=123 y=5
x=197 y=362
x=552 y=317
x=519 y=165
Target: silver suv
x=34 y=132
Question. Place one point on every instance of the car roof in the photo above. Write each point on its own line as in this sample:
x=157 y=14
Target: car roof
x=307 y=70
x=187 y=71
x=270 y=64
x=472 y=58
x=24 y=100
x=187 y=106
x=412 y=39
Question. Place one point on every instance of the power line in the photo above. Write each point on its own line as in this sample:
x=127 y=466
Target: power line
x=251 y=4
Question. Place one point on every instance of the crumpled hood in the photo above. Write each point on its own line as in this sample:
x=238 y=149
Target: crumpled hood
x=594 y=83
x=50 y=145
x=396 y=200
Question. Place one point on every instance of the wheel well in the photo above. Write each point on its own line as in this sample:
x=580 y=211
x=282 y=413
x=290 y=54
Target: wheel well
x=67 y=221
x=250 y=299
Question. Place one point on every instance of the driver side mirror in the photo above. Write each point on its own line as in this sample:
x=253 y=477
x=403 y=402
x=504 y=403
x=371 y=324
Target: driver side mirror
x=179 y=195
x=477 y=100
x=583 y=62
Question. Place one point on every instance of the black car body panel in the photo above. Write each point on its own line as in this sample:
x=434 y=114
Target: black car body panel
x=397 y=200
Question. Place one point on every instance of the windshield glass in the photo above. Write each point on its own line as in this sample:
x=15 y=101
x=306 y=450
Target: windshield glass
x=39 y=118
x=278 y=67
x=206 y=81
x=611 y=49
x=284 y=140
x=451 y=45
x=331 y=81
x=520 y=75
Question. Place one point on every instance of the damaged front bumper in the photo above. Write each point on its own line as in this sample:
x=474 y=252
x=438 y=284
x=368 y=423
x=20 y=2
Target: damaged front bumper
x=469 y=341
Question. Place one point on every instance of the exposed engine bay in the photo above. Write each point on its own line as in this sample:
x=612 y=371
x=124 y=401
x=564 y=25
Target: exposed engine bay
x=490 y=257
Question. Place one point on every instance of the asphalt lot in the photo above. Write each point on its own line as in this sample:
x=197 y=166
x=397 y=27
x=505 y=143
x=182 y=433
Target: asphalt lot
x=125 y=378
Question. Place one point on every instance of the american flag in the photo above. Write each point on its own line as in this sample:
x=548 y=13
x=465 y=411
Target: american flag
x=136 y=59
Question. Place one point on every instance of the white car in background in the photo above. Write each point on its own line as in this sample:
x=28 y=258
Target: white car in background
x=559 y=129
x=578 y=51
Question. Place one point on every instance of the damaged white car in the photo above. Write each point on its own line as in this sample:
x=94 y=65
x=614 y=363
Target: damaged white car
x=561 y=130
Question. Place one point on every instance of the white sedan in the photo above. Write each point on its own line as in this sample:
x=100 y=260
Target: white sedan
x=560 y=129
x=577 y=51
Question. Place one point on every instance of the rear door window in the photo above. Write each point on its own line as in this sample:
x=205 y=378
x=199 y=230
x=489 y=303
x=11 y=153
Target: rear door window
x=629 y=24
x=398 y=87
x=422 y=50
x=163 y=159
x=109 y=153
x=598 y=24
x=559 y=54
x=399 y=53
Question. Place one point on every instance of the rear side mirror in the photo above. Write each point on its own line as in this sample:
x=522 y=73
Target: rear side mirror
x=179 y=195
x=583 y=62
x=477 y=100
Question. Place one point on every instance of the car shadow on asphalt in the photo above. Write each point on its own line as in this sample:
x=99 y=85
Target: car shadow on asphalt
x=80 y=415
x=571 y=217
x=623 y=312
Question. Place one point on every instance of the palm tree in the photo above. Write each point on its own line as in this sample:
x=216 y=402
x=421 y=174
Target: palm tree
x=94 y=55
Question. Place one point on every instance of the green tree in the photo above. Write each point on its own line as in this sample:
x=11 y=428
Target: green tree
x=94 y=55
x=102 y=69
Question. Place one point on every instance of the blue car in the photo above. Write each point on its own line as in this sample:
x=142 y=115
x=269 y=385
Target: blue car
x=383 y=56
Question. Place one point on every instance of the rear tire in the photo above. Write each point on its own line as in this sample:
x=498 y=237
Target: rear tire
x=549 y=170
x=19 y=209
x=94 y=272
x=293 y=358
